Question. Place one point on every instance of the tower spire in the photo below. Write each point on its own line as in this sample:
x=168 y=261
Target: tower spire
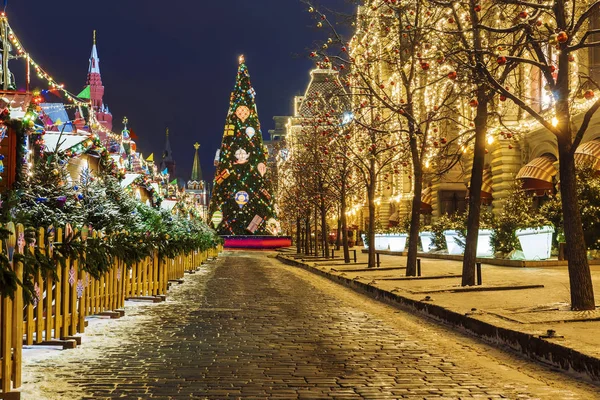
x=94 y=59
x=167 y=158
x=168 y=154
x=196 y=169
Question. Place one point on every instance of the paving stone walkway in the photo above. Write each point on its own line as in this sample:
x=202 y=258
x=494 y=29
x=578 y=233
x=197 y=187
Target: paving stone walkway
x=250 y=327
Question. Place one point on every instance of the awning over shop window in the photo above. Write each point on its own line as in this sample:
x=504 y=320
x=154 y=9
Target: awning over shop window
x=588 y=155
x=537 y=176
x=426 y=200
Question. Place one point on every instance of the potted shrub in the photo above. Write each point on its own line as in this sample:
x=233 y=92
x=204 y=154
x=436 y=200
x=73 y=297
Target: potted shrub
x=392 y=238
x=449 y=230
x=536 y=241
x=484 y=239
x=427 y=239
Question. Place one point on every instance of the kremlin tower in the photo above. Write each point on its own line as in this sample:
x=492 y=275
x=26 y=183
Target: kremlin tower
x=96 y=94
x=167 y=162
x=198 y=187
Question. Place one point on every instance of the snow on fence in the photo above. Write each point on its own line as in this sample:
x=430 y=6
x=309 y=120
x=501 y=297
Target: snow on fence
x=64 y=300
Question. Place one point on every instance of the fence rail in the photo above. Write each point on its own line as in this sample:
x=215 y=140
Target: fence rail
x=64 y=300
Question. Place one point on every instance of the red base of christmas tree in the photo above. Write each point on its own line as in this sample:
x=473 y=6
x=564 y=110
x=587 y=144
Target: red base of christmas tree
x=257 y=242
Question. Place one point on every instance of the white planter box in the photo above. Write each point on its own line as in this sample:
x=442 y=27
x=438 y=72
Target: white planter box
x=452 y=243
x=484 y=247
x=536 y=242
x=426 y=241
x=391 y=242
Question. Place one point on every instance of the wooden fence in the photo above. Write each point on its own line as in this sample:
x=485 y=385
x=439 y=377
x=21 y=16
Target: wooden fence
x=63 y=302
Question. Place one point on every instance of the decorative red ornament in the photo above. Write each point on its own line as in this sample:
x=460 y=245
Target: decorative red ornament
x=477 y=8
x=474 y=103
x=589 y=94
x=552 y=68
x=502 y=97
x=523 y=14
x=501 y=60
x=562 y=37
x=425 y=66
x=510 y=147
x=508 y=135
x=344 y=49
x=452 y=75
x=450 y=20
x=571 y=58
x=538 y=22
x=443 y=141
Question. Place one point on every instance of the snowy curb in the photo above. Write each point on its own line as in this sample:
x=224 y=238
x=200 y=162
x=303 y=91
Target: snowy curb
x=527 y=344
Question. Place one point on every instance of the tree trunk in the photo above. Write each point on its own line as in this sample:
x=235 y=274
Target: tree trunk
x=338 y=235
x=580 y=279
x=307 y=243
x=298 y=236
x=415 y=213
x=470 y=256
x=324 y=230
x=371 y=232
x=344 y=222
x=316 y=216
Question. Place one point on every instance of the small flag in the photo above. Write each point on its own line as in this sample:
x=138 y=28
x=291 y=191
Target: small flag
x=174 y=182
x=132 y=134
x=85 y=93
x=150 y=158
x=165 y=171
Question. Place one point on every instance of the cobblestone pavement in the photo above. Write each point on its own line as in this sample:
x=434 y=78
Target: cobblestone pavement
x=250 y=327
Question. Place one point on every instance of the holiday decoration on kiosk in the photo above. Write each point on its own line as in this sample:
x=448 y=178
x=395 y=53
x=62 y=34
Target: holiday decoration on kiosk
x=242 y=195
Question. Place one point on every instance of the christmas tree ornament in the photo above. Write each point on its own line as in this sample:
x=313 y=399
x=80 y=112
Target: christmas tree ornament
x=242 y=156
x=254 y=224
x=242 y=113
x=222 y=176
x=61 y=201
x=262 y=169
x=217 y=218
x=229 y=130
x=241 y=198
x=250 y=131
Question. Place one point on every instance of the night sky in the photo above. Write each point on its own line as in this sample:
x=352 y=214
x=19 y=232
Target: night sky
x=173 y=63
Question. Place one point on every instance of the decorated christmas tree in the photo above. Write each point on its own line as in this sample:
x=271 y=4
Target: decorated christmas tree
x=242 y=200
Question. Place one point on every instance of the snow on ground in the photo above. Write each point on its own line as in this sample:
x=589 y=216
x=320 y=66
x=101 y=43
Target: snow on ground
x=102 y=333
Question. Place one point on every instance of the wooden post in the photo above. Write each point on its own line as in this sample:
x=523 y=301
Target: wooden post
x=6 y=344
x=58 y=321
x=17 y=333
x=48 y=301
x=39 y=309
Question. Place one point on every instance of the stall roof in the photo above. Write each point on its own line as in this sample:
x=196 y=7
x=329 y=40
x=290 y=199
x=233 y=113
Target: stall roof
x=55 y=141
x=128 y=180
